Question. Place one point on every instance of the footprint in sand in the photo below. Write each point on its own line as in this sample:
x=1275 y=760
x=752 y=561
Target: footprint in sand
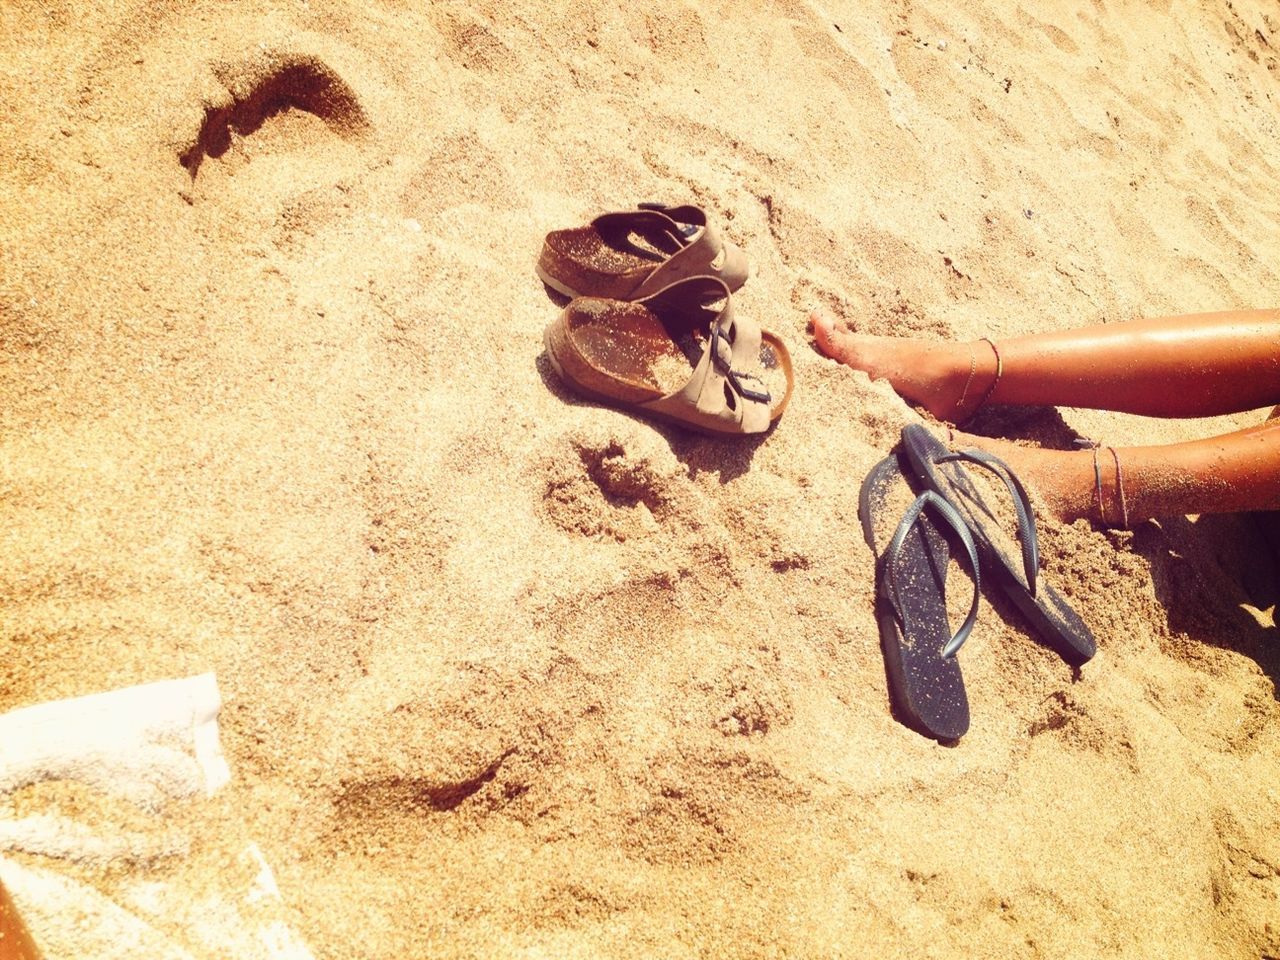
x=272 y=106
x=598 y=490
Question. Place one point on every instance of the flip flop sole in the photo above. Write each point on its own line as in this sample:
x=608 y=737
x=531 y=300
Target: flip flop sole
x=926 y=689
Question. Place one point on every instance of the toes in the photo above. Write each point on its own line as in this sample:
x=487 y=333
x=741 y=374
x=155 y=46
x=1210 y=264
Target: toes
x=829 y=336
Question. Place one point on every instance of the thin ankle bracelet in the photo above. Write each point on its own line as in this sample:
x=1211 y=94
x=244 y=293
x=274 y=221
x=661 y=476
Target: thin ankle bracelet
x=1094 y=447
x=973 y=368
x=1124 y=503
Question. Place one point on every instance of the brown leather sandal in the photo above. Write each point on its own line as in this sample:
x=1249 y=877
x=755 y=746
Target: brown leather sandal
x=672 y=357
x=633 y=254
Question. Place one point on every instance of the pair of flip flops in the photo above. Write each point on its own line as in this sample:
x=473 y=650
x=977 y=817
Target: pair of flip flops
x=997 y=531
x=651 y=325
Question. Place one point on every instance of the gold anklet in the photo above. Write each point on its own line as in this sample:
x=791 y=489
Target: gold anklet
x=973 y=368
x=999 y=373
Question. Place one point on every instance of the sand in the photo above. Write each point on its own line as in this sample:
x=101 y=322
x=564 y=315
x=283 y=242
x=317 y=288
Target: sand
x=508 y=674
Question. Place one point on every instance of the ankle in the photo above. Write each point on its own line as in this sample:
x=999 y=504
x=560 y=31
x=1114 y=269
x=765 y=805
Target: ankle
x=984 y=368
x=1111 y=497
x=1062 y=481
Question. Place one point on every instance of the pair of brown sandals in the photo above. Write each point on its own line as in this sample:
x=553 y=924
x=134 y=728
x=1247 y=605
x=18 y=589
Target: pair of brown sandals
x=650 y=325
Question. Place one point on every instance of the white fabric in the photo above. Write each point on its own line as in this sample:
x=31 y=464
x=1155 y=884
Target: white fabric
x=149 y=743
x=150 y=746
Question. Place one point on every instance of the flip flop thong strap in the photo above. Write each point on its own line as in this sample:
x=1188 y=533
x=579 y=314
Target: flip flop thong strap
x=1027 y=536
x=953 y=519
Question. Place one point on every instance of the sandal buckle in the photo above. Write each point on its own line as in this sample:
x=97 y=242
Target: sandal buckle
x=723 y=367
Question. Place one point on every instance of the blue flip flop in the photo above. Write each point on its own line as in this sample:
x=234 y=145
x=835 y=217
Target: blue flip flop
x=947 y=473
x=925 y=683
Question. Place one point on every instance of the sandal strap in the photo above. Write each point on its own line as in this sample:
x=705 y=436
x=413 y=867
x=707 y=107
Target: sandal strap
x=1028 y=539
x=952 y=517
x=690 y=218
x=664 y=232
x=721 y=387
x=691 y=245
x=721 y=350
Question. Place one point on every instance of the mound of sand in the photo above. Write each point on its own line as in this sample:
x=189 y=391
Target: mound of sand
x=509 y=674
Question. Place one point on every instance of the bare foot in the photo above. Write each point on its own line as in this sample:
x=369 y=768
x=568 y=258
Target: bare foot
x=933 y=374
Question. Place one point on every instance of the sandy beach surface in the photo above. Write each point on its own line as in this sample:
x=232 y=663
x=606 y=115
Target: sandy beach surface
x=509 y=674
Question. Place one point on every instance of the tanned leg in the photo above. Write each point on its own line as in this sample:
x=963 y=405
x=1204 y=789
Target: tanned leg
x=1233 y=472
x=1196 y=365
x=1190 y=366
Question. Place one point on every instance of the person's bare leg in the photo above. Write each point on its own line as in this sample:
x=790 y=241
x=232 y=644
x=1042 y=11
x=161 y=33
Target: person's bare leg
x=1190 y=366
x=1234 y=472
